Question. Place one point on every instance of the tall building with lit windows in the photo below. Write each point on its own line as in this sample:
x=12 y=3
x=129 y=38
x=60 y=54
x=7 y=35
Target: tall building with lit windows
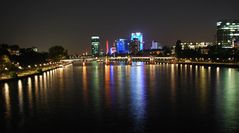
x=95 y=45
x=156 y=45
x=228 y=33
x=134 y=46
x=138 y=36
x=122 y=46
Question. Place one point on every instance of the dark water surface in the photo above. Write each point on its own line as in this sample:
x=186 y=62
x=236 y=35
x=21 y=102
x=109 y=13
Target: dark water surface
x=123 y=98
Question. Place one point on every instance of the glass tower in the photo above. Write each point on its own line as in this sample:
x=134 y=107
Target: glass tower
x=228 y=33
x=95 y=45
x=122 y=46
x=138 y=36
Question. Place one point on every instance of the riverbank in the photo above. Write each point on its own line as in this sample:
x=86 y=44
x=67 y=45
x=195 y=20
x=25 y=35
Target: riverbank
x=31 y=72
x=211 y=64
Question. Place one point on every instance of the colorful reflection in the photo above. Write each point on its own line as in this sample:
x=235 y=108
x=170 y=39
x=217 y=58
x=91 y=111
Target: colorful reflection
x=230 y=99
x=138 y=101
x=137 y=95
x=173 y=84
x=85 y=82
x=107 y=84
x=96 y=87
x=203 y=88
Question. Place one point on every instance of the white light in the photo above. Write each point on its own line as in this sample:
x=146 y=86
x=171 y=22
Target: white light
x=219 y=23
x=138 y=33
x=95 y=37
x=234 y=34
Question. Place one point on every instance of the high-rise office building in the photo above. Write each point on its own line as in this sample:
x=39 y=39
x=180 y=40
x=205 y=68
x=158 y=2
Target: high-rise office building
x=95 y=45
x=156 y=45
x=139 y=36
x=122 y=46
x=134 y=46
x=228 y=33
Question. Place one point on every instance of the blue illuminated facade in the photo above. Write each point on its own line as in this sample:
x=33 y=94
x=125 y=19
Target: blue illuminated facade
x=122 y=46
x=139 y=36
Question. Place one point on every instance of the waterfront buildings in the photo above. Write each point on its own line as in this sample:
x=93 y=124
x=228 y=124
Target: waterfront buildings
x=195 y=45
x=228 y=33
x=95 y=45
x=202 y=47
x=139 y=37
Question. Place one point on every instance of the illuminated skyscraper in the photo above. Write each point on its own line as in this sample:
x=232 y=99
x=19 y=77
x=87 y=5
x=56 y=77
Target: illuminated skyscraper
x=122 y=46
x=95 y=45
x=134 y=46
x=228 y=33
x=139 y=36
x=156 y=45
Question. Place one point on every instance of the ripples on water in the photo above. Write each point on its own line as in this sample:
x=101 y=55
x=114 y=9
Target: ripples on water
x=123 y=98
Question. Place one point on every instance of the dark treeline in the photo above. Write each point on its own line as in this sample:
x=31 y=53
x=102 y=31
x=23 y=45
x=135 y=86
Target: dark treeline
x=12 y=56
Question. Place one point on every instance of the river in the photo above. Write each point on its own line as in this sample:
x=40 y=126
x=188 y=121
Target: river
x=123 y=98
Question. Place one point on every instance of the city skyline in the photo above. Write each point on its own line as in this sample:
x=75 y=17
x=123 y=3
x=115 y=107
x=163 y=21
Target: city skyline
x=71 y=24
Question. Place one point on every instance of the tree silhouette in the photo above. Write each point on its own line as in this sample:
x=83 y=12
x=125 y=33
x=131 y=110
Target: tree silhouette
x=57 y=53
x=178 y=48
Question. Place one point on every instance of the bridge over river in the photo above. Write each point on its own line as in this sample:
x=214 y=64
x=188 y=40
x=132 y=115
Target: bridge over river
x=128 y=59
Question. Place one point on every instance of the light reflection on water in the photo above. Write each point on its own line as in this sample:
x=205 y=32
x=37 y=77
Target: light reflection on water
x=229 y=100
x=30 y=97
x=139 y=96
x=20 y=96
x=7 y=101
x=85 y=84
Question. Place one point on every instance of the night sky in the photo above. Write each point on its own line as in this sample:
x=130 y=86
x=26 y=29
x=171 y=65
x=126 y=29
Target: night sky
x=71 y=23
